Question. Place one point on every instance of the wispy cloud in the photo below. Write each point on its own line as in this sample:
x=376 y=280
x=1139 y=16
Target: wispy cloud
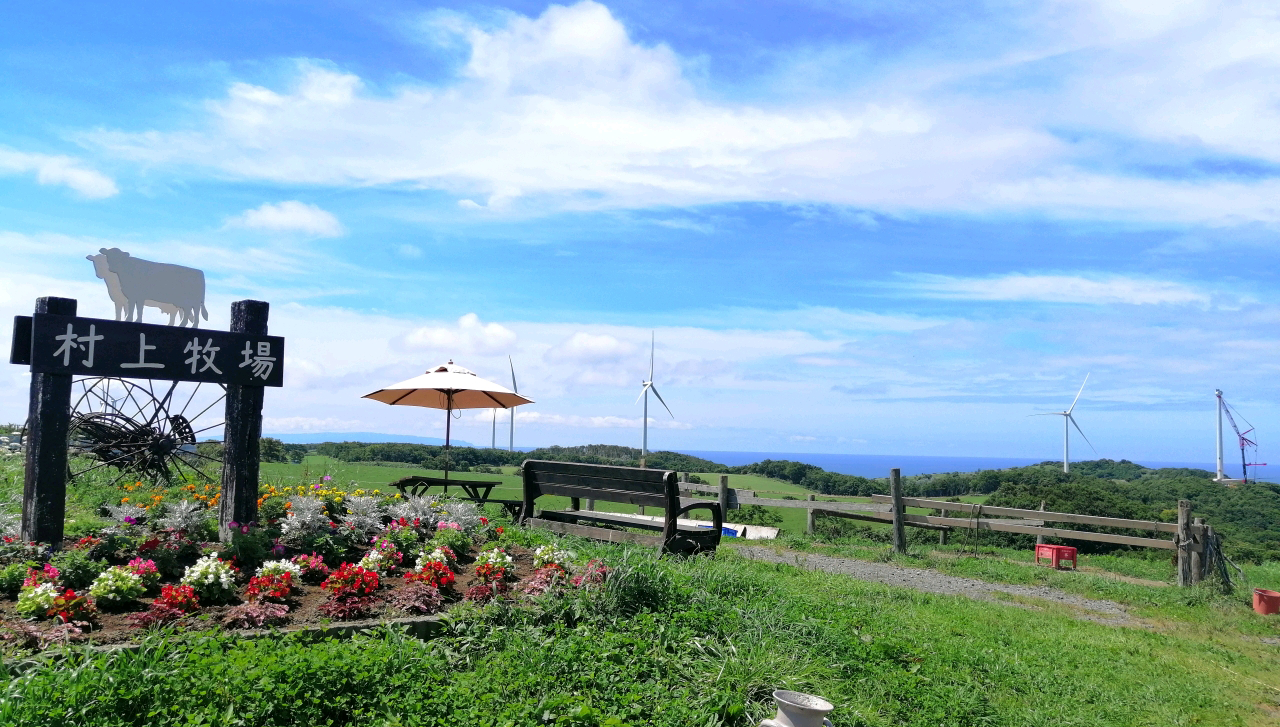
x=1057 y=289
x=568 y=106
x=290 y=216
x=63 y=170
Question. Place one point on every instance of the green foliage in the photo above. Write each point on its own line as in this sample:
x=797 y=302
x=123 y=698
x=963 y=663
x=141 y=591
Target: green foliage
x=755 y=515
x=669 y=643
x=465 y=459
x=271 y=449
x=77 y=569
x=11 y=577
x=457 y=540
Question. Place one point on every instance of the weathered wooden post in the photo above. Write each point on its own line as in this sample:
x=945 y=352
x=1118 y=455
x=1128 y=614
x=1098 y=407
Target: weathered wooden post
x=899 y=529
x=1183 y=536
x=1197 y=555
x=724 y=496
x=942 y=537
x=591 y=504
x=811 y=519
x=1040 y=538
x=44 y=488
x=242 y=431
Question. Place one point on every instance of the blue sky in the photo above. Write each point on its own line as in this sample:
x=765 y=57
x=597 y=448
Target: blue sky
x=855 y=227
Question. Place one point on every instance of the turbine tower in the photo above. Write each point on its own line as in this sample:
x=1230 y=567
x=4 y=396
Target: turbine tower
x=1069 y=421
x=644 y=394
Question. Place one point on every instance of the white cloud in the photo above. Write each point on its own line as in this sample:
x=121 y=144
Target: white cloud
x=584 y=347
x=62 y=170
x=411 y=252
x=595 y=422
x=290 y=216
x=567 y=105
x=469 y=335
x=1058 y=289
x=308 y=424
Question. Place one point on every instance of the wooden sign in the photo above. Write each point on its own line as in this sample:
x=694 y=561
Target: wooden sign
x=68 y=345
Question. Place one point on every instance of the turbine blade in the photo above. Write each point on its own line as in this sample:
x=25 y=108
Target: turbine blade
x=1078 y=429
x=664 y=404
x=1078 y=393
x=651 y=345
x=513 y=375
x=642 y=390
x=1047 y=414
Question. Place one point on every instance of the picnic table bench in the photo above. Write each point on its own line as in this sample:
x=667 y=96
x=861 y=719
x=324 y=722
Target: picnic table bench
x=476 y=490
x=628 y=485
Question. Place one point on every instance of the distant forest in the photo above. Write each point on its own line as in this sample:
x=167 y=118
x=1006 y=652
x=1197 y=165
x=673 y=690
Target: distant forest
x=1248 y=516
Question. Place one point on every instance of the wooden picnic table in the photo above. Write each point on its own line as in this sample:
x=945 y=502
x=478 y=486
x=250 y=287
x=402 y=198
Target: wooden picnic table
x=477 y=491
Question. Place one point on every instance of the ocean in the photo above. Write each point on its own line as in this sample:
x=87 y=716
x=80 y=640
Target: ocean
x=878 y=465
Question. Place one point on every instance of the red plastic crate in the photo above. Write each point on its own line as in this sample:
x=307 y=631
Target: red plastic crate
x=1056 y=554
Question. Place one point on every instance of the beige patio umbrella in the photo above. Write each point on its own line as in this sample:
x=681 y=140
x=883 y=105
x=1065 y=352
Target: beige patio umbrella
x=449 y=387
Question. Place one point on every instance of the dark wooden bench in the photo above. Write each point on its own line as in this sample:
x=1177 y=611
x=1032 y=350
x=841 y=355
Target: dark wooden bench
x=628 y=485
x=477 y=491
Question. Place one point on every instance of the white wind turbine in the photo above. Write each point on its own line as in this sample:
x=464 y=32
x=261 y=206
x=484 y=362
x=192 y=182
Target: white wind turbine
x=511 y=444
x=1066 y=430
x=646 y=386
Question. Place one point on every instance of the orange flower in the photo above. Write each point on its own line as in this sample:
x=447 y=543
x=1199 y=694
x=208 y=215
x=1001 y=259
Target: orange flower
x=123 y=500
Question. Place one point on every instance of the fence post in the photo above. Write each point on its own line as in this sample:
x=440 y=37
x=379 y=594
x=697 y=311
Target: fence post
x=810 y=520
x=591 y=504
x=724 y=496
x=1197 y=556
x=1184 y=540
x=942 y=537
x=44 y=487
x=899 y=530
x=1040 y=538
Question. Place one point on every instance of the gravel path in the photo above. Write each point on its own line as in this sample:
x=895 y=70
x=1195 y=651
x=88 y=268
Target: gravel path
x=931 y=581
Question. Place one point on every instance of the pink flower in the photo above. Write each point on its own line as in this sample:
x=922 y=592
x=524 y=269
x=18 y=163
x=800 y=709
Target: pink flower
x=245 y=529
x=315 y=486
x=326 y=478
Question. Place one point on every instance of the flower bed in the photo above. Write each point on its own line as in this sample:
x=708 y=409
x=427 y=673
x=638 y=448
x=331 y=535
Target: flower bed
x=413 y=558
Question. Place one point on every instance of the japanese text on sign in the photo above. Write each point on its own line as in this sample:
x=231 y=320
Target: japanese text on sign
x=90 y=346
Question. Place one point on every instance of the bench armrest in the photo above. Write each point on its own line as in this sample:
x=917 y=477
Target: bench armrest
x=717 y=516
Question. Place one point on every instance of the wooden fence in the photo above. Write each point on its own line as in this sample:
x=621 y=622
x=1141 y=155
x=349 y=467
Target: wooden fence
x=1188 y=534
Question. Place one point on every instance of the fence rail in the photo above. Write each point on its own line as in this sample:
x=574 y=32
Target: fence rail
x=1188 y=537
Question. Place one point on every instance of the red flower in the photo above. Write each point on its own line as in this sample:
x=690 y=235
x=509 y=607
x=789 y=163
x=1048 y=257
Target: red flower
x=433 y=573
x=499 y=530
x=484 y=521
x=351 y=580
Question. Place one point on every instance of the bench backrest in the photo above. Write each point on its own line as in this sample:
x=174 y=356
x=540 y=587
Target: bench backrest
x=653 y=488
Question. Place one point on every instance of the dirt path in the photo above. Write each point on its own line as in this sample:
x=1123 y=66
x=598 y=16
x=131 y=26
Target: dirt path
x=931 y=581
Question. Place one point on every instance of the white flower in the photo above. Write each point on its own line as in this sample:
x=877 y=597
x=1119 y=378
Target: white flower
x=550 y=554
x=279 y=568
x=497 y=557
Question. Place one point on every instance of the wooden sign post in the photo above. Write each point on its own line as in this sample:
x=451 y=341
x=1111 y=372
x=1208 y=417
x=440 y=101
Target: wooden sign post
x=57 y=345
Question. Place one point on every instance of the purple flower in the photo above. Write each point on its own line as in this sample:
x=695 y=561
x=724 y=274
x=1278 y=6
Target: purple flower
x=131 y=521
x=233 y=524
x=315 y=486
x=278 y=548
x=326 y=478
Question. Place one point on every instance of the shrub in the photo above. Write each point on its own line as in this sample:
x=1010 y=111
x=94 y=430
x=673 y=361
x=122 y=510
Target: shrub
x=35 y=601
x=271 y=587
x=212 y=578
x=307 y=520
x=44 y=574
x=116 y=586
x=479 y=594
x=77 y=569
x=593 y=574
x=174 y=603
x=146 y=570
x=350 y=580
x=465 y=514
x=434 y=573
x=414 y=511
x=248 y=547
x=186 y=517
x=283 y=567
x=313 y=568
x=363 y=518
x=256 y=614
x=11 y=578
x=551 y=555
x=349 y=608
x=455 y=540
x=544 y=579
x=419 y=598
x=493 y=565
x=72 y=607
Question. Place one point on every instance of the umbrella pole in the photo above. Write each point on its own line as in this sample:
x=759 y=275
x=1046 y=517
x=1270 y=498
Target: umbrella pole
x=448 y=423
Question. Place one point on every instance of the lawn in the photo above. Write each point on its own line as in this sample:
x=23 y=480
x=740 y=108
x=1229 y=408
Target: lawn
x=687 y=642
